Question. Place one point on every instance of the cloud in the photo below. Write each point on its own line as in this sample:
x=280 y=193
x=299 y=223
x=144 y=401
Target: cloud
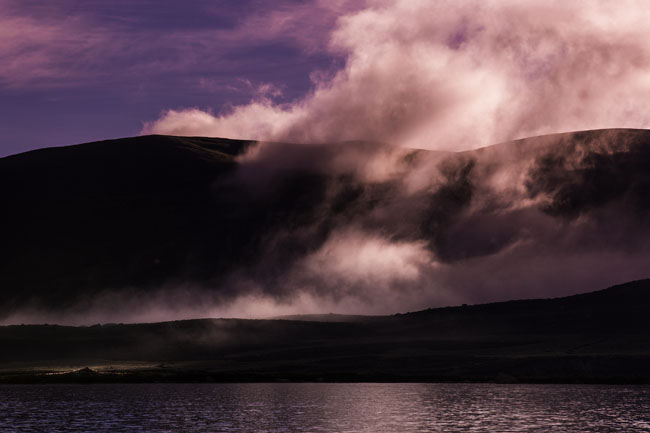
x=35 y=50
x=540 y=217
x=287 y=20
x=64 y=44
x=351 y=258
x=459 y=75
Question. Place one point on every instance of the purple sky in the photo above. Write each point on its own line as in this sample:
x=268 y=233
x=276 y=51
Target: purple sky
x=416 y=73
x=75 y=71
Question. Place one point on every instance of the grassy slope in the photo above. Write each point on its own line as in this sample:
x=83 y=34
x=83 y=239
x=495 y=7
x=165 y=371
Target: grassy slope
x=596 y=337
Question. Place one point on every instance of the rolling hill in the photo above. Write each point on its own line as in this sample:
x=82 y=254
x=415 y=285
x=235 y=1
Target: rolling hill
x=597 y=337
x=201 y=221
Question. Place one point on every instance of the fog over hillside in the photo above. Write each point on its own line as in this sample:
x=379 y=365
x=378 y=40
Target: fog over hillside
x=160 y=228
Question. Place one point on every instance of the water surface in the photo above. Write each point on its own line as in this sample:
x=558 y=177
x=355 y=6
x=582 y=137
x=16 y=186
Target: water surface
x=373 y=408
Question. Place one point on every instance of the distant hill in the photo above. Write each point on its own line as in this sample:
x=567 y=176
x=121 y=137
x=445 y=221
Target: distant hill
x=598 y=337
x=330 y=317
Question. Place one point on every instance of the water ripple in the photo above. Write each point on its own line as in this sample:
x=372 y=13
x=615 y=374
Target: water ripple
x=375 y=408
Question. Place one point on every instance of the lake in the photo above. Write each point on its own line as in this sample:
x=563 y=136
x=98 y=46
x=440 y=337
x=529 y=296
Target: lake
x=287 y=407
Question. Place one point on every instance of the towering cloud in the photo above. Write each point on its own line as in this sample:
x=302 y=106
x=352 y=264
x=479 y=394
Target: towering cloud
x=458 y=75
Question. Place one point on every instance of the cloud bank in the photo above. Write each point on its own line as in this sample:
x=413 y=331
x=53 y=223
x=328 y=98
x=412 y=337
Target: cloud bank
x=459 y=75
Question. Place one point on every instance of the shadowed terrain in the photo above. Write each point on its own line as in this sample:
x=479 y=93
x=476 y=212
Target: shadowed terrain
x=118 y=213
x=108 y=231
x=601 y=336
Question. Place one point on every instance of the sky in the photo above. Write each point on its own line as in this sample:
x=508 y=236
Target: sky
x=77 y=71
x=426 y=74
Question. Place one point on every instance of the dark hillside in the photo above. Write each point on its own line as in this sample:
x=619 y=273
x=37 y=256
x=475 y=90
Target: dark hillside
x=601 y=336
x=98 y=225
x=120 y=213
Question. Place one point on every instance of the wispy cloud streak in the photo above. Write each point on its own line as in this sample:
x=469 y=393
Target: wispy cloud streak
x=63 y=44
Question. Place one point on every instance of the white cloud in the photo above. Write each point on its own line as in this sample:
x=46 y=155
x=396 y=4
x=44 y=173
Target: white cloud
x=458 y=75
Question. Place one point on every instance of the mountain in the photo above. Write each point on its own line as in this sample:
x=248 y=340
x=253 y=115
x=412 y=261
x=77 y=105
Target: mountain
x=597 y=337
x=116 y=225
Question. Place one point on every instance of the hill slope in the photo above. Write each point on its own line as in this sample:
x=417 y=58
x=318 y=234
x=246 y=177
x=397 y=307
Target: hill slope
x=133 y=212
x=123 y=222
x=602 y=336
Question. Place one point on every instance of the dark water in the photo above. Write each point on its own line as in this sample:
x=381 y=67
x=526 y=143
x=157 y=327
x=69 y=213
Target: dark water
x=324 y=408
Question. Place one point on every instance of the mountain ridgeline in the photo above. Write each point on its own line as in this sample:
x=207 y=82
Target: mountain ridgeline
x=545 y=216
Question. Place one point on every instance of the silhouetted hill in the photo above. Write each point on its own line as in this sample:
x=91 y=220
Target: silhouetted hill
x=133 y=213
x=602 y=336
x=106 y=224
x=606 y=311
